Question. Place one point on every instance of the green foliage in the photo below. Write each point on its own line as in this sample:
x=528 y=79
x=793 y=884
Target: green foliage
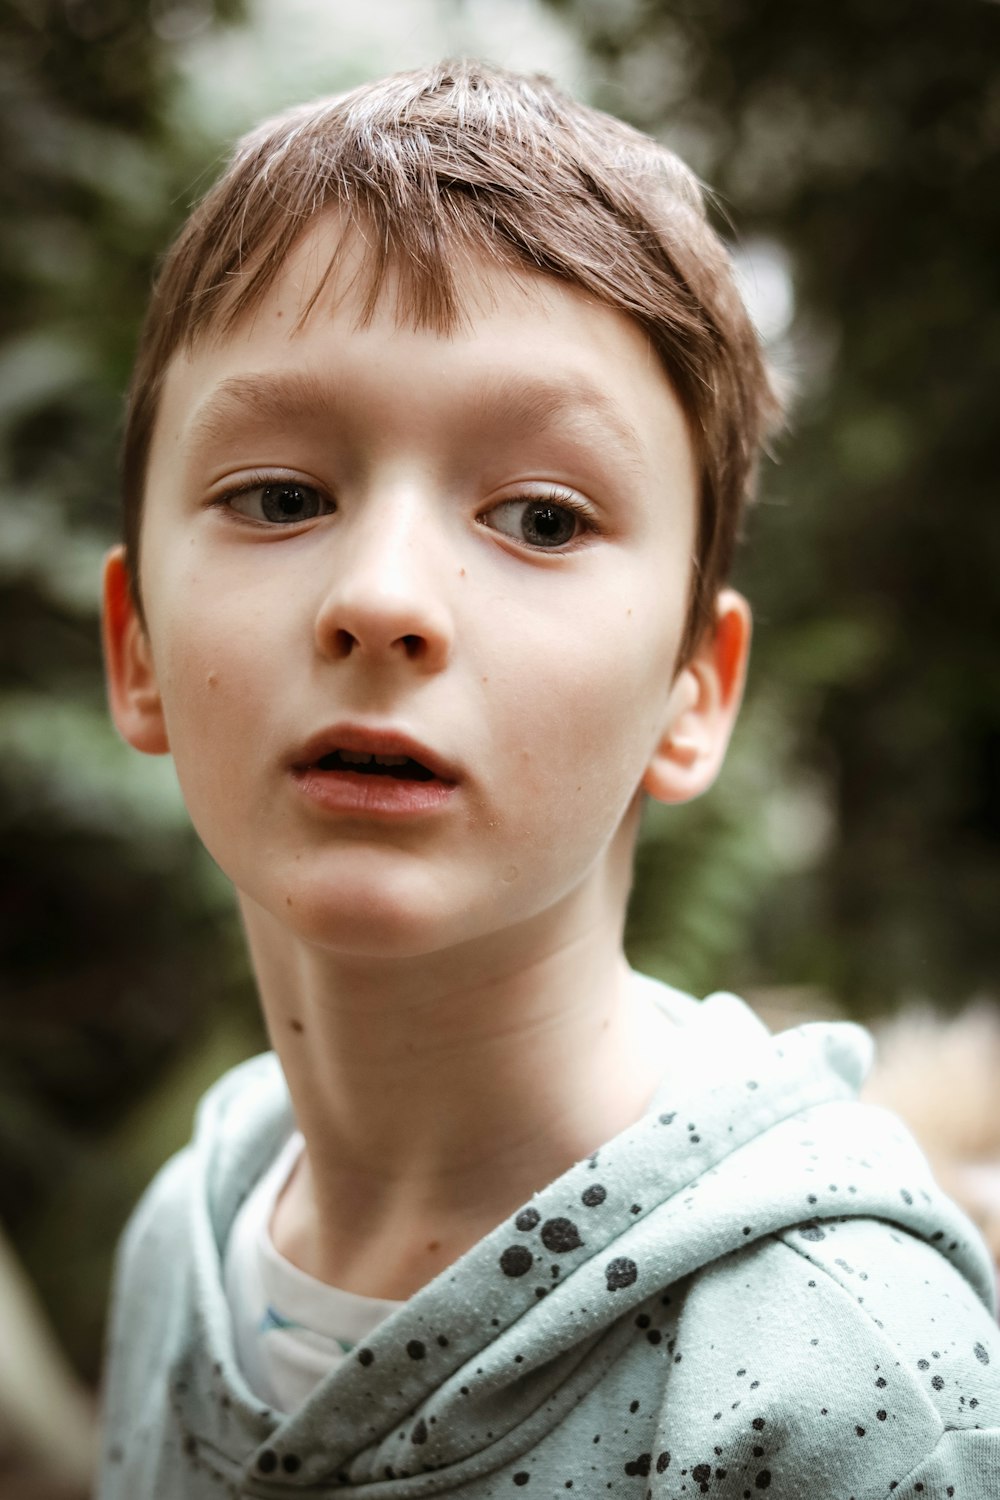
x=863 y=138
x=119 y=948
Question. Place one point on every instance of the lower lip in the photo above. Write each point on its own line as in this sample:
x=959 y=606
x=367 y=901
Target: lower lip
x=371 y=796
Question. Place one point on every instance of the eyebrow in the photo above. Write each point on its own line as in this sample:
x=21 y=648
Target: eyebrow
x=279 y=399
x=534 y=405
x=523 y=402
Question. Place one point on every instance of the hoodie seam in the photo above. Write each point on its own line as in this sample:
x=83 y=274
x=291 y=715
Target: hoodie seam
x=921 y=1463
x=877 y=1333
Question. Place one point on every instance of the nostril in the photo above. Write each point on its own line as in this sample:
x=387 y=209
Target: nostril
x=344 y=643
x=414 y=646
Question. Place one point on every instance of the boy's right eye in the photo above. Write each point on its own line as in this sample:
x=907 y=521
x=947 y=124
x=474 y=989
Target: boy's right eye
x=283 y=502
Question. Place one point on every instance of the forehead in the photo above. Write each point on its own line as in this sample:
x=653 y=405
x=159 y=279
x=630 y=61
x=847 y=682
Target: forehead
x=525 y=352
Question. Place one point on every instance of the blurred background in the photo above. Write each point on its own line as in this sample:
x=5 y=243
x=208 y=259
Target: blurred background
x=846 y=863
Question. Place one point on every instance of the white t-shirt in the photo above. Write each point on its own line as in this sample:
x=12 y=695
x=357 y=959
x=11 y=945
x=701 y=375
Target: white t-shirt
x=289 y=1328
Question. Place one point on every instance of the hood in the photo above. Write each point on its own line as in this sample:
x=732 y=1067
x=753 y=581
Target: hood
x=750 y=1135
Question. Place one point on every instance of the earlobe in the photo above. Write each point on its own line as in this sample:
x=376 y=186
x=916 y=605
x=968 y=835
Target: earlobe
x=133 y=691
x=704 y=702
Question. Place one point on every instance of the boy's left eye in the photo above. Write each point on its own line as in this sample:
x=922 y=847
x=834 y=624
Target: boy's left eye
x=283 y=502
x=538 y=523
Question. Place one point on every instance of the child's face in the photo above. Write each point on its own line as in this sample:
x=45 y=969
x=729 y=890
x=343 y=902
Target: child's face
x=474 y=550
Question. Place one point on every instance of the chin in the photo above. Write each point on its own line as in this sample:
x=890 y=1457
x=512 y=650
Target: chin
x=364 y=923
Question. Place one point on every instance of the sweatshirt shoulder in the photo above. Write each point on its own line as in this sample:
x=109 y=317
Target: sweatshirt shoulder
x=905 y=1294
x=220 y=1137
x=166 y=1288
x=845 y=1365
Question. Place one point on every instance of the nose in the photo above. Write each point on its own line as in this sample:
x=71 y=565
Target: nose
x=384 y=601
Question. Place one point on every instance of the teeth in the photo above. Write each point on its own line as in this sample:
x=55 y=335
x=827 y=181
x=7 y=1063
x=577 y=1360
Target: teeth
x=374 y=765
x=359 y=758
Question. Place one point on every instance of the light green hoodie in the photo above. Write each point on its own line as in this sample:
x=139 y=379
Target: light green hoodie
x=757 y=1287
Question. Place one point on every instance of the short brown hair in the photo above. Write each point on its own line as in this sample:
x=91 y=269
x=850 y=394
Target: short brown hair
x=467 y=159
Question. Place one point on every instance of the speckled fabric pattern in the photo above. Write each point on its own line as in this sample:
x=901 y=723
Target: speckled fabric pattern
x=757 y=1287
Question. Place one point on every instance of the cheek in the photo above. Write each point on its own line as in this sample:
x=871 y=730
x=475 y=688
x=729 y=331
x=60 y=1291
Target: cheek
x=584 y=719
x=214 y=683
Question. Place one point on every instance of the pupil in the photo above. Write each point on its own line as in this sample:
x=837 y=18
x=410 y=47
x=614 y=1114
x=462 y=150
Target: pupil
x=284 y=502
x=549 y=523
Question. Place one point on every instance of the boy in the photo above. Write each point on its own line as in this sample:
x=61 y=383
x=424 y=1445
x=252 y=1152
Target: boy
x=440 y=428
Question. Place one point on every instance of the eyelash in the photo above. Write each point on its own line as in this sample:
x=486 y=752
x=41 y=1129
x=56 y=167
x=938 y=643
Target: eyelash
x=263 y=481
x=562 y=499
x=559 y=499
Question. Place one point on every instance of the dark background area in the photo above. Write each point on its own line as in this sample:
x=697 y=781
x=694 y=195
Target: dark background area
x=849 y=853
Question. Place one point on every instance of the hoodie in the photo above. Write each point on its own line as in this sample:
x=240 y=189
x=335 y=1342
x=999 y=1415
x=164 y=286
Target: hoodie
x=756 y=1287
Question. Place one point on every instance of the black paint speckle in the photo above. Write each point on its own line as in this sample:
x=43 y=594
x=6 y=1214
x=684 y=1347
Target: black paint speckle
x=516 y=1260
x=763 y=1480
x=620 y=1272
x=419 y=1433
x=639 y=1465
x=812 y=1232
x=416 y=1350
x=365 y=1357
x=560 y=1236
x=593 y=1196
x=522 y=1477
x=527 y=1218
x=663 y=1462
x=981 y=1354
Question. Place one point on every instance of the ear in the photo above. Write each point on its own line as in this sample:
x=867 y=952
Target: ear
x=133 y=692
x=703 y=705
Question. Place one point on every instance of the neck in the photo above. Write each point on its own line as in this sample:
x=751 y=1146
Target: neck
x=434 y=1100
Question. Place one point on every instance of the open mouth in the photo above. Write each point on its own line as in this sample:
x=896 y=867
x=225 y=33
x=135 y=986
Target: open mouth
x=400 y=767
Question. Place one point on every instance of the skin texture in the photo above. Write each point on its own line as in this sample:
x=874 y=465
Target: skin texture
x=445 y=989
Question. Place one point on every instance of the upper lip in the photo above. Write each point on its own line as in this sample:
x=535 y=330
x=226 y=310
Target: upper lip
x=371 y=741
